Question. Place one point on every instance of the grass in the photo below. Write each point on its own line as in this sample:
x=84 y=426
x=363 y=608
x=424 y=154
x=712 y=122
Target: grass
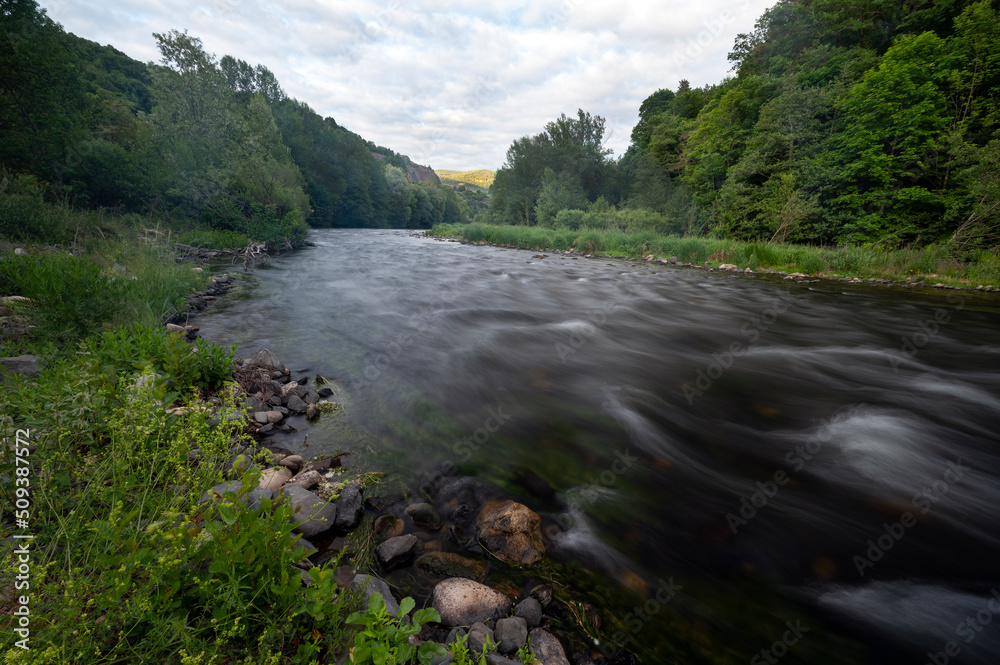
x=932 y=263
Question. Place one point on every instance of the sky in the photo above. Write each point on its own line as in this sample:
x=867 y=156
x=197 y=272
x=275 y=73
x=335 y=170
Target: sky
x=450 y=83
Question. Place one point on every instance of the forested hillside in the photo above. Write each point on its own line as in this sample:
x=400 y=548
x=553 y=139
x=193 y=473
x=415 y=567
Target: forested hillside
x=844 y=122
x=199 y=142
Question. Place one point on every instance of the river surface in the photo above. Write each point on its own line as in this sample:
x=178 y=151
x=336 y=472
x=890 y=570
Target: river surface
x=818 y=457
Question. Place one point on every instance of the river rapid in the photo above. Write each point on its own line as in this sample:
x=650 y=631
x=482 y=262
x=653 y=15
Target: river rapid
x=755 y=469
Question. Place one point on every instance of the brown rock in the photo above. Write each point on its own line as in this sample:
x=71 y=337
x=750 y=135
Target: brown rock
x=511 y=531
x=273 y=479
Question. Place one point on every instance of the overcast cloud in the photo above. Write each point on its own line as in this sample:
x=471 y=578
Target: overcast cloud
x=449 y=83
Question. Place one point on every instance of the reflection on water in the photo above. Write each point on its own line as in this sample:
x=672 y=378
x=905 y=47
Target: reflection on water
x=815 y=451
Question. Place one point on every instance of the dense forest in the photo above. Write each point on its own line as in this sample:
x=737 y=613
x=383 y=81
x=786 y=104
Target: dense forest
x=199 y=142
x=846 y=121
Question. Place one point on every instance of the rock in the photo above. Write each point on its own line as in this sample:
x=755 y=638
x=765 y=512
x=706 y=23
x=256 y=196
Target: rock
x=454 y=635
x=324 y=392
x=296 y=405
x=512 y=532
x=530 y=610
x=425 y=516
x=446 y=564
x=479 y=635
x=306 y=545
x=265 y=358
x=312 y=412
x=748 y=271
x=293 y=462
x=729 y=267
x=673 y=259
x=20 y=251
x=462 y=602
x=173 y=327
x=24 y=365
x=311 y=397
x=307 y=479
x=367 y=585
x=543 y=593
x=315 y=514
x=285 y=390
x=266 y=429
x=511 y=634
x=273 y=479
x=795 y=275
x=349 y=505
x=497 y=659
x=397 y=551
x=547 y=648
x=251 y=499
x=387 y=526
x=261 y=417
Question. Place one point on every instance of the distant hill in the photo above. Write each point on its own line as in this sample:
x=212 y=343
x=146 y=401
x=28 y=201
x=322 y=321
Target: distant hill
x=479 y=178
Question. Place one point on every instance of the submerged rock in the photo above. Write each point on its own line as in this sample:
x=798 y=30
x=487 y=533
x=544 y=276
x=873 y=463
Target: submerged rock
x=446 y=564
x=425 y=516
x=462 y=602
x=512 y=532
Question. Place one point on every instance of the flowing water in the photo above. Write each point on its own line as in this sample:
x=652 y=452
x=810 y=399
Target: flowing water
x=817 y=457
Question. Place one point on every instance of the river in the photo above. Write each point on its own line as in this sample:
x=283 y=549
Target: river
x=819 y=457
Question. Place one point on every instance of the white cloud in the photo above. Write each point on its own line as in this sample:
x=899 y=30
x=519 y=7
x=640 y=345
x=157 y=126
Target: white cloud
x=450 y=83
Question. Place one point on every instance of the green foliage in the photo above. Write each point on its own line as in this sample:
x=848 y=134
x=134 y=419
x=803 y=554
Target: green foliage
x=383 y=640
x=73 y=296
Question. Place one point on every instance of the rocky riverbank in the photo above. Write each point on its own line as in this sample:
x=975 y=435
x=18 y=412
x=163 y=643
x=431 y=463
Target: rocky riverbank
x=457 y=545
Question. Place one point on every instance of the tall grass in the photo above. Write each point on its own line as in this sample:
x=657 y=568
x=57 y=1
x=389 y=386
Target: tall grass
x=854 y=261
x=72 y=297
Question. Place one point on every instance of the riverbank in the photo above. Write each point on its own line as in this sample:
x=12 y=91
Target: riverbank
x=154 y=495
x=931 y=266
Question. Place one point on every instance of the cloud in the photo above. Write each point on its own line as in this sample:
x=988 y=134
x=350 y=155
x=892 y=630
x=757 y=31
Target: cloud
x=450 y=83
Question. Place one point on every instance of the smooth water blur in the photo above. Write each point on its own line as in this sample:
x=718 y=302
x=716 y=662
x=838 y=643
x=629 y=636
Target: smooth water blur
x=818 y=452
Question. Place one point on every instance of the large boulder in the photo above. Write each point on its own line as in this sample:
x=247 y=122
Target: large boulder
x=512 y=532
x=462 y=602
x=315 y=514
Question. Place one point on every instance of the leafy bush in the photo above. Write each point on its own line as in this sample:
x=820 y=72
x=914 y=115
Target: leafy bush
x=383 y=639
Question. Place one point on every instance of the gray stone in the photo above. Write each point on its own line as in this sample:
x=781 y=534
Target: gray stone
x=349 y=506
x=174 y=328
x=511 y=634
x=311 y=397
x=497 y=659
x=296 y=405
x=455 y=633
x=397 y=551
x=425 y=516
x=273 y=416
x=306 y=545
x=547 y=648
x=265 y=358
x=366 y=585
x=325 y=392
x=24 y=365
x=530 y=610
x=479 y=635
x=446 y=659
x=312 y=412
x=315 y=514
x=261 y=417
x=462 y=602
